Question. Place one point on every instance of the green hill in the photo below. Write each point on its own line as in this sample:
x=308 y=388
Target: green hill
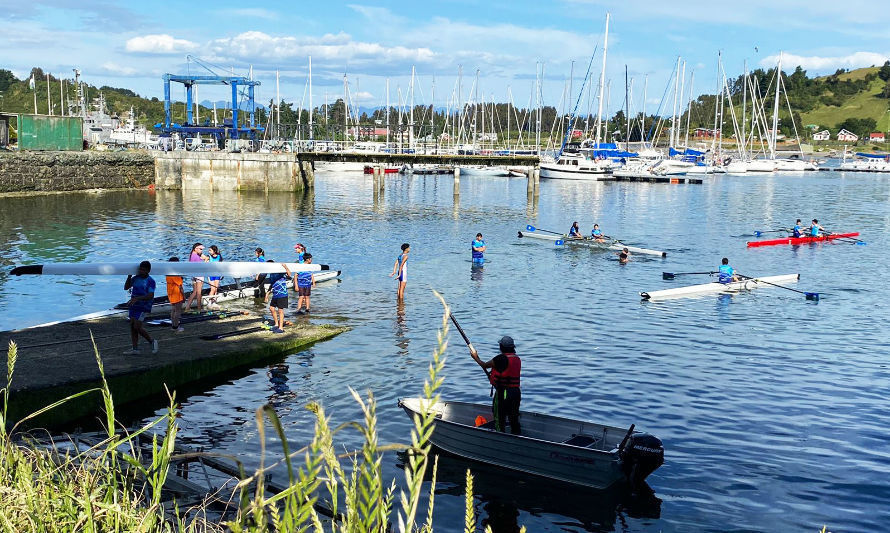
x=868 y=103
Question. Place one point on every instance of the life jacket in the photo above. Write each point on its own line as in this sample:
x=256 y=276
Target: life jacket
x=509 y=378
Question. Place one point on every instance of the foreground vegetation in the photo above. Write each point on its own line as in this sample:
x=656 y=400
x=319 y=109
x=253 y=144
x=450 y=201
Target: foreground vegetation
x=111 y=487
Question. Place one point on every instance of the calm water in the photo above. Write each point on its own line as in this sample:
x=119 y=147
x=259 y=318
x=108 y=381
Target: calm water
x=773 y=410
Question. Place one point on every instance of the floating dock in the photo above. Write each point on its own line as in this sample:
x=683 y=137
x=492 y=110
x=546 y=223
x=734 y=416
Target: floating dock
x=656 y=179
x=59 y=360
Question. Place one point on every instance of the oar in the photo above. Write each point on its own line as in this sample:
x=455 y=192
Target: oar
x=532 y=228
x=809 y=295
x=859 y=242
x=230 y=333
x=759 y=233
x=671 y=275
x=467 y=340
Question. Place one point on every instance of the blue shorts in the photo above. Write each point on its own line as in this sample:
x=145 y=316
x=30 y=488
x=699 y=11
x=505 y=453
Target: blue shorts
x=478 y=259
x=214 y=278
x=138 y=314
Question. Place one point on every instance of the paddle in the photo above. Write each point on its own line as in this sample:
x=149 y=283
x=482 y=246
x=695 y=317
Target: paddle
x=532 y=228
x=859 y=242
x=231 y=333
x=671 y=275
x=759 y=233
x=809 y=295
x=467 y=340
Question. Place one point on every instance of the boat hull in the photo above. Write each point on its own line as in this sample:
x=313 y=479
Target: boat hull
x=801 y=240
x=717 y=288
x=590 y=243
x=165 y=268
x=543 y=449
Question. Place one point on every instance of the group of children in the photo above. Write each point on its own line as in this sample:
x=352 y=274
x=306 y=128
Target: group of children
x=142 y=290
x=597 y=235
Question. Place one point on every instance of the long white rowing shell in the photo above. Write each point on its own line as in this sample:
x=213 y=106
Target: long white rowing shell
x=716 y=287
x=164 y=268
x=607 y=245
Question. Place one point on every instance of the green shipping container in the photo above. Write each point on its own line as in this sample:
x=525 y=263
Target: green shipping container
x=41 y=132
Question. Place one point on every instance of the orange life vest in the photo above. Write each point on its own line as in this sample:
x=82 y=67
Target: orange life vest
x=509 y=378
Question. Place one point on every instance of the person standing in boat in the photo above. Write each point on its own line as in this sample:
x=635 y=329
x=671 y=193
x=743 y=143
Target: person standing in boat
x=795 y=231
x=815 y=228
x=725 y=273
x=401 y=268
x=506 y=368
x=142 y=295
x=197 y=256
x=478 y=247
x=575 y=231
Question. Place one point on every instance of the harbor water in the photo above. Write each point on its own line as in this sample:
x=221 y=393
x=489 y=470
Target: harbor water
x=773 y=409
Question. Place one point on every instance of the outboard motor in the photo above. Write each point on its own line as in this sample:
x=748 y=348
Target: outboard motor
x=641 y=455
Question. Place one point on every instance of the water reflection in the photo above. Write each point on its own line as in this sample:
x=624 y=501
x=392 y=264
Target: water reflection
x=401 y=329
x=477 y=269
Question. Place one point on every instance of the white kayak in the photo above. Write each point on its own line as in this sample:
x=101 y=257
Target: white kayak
x=591 y=243
x=717 y=287
x=235 y=269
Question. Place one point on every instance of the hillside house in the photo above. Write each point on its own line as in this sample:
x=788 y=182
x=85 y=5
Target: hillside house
x=847 y=136
x=876 y=137
x=705 y=133
x=823 y=135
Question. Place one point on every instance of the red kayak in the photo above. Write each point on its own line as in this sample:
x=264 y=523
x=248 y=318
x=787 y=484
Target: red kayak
x=801 y=240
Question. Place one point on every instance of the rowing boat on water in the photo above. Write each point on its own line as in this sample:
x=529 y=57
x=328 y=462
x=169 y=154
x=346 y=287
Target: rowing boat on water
x=591 y=243
x=717 y=287
x=228 y=292
x=573 y=451
x=164 y=268
x=802 y=240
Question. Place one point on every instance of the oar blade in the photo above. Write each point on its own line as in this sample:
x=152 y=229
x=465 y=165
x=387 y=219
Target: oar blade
x=667 y=275
x=861 y=243
x=814 y=296
x=758 y=233
x=559 y=242
x=529 y=227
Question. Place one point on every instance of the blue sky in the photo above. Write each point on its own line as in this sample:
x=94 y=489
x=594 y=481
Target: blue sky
x=131 y=44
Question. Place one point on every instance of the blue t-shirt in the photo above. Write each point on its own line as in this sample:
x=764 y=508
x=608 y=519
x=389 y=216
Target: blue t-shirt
x=726 y=273
x=573 y=232
x=261 y=259
x=477 y=244
x=796 y=230
x=814 y=231
x=278 y=285
x=142 y=286
x=300 y=257
x=596 y=233
x=304 y=279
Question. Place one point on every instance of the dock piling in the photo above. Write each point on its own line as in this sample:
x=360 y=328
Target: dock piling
x=456 y=181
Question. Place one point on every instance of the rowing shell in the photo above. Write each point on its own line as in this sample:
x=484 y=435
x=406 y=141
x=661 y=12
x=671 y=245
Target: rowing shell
x=591 y=243
x=234 y=269
x=801 y=240
x=716 y=287
x=228 y=292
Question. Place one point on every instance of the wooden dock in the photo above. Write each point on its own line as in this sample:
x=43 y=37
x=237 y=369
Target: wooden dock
x=59 y=360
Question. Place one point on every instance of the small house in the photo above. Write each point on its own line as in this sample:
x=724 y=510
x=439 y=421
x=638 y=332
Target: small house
x=823 y=135
x=847 y=136
x=876 y=137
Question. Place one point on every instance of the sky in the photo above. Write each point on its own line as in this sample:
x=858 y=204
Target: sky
x=132 y=44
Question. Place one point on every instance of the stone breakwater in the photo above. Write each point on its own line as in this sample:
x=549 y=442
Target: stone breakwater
x=29 y=172
x=24 y=172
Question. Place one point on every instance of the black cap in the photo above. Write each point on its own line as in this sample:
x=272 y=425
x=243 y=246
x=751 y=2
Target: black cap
x=506 y=344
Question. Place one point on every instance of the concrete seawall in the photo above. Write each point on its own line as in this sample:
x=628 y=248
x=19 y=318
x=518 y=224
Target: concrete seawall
x=26 y=172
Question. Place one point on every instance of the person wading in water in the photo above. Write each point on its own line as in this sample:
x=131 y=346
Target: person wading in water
x=505 y=369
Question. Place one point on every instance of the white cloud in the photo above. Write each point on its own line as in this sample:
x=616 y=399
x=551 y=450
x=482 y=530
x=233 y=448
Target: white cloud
x=253 y=12
x=362 y=96
x=113 y=68
x=819 y=63
x=159 y=44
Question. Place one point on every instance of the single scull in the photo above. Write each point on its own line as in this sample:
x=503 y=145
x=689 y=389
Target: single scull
x=802 y=240
x=717 y=287
x=591 y=243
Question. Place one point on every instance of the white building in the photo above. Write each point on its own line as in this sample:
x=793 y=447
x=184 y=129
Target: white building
x=823 y=135
x=848 y=136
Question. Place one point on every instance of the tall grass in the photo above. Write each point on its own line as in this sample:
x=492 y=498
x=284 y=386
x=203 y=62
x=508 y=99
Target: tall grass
x=112 y=487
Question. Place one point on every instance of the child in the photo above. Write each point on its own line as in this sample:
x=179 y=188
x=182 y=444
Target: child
x=142 y=294
x=260 y=278
x=176 y=297
x=305 y=283
x=215 y=256
x=196 y=255
x=301 y=252
x=624 y=256
x=401 y=268
x=478 y=248
x=278 y=294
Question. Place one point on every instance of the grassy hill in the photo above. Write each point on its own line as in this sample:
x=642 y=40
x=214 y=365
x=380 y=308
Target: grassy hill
x=865 y=104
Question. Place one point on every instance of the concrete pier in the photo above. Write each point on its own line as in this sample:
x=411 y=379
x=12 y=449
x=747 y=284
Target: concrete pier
x=225 y=171
x=58 y=360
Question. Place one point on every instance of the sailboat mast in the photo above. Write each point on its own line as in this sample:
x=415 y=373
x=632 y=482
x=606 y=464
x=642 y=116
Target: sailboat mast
x=411 y=114
x=680 y=101
x=626 y=111
x=643 y=121
x=673 y=138
x=689 y=108
x=744 y=143
x=717 y=94
x=775 y=136
x=387 y=113
x=311 y=134
x=599 y=113
x=345 y=109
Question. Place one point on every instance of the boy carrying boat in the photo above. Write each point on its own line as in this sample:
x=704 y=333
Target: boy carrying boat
x=478 y=247
x=506 y=368
x=305 y=282
x=725 y=273
x=278 y=294
x=176 y=296
x=142 y=294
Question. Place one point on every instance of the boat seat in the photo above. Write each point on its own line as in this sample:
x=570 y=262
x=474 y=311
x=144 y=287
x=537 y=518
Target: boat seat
x=582 y=441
